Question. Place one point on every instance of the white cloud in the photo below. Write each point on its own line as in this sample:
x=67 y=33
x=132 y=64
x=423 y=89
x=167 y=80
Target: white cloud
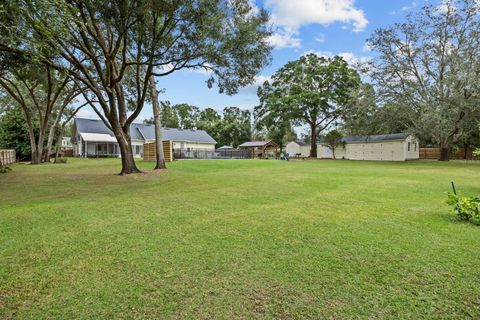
x=252 y=88
x=366 y=47
x=292 y=14
x=320 y=38
x=409 y=7
x=283 y=39
x=445 y=6
x=202 y=70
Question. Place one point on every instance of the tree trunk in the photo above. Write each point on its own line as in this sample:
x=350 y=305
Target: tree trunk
x=444 y=154
x=51 y=135
x=31 y=135
x=125 y=145
x=41 y=138
x=33 y=146
x=160 y=158
x=313 y=141
x=333 y=153
x=59 y=142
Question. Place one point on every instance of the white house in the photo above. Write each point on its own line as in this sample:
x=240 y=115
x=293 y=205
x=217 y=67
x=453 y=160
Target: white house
x=297 y=148
x=385 y=147
x=66 y=143
x=93 y=138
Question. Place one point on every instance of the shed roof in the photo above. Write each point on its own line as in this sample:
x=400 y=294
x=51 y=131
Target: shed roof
x=255 y=144
x=301 y=143
x=375 y=138
x=140 y=131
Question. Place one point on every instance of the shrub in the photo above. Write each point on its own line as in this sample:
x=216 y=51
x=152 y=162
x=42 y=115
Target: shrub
x=98 y=156
x=466 y=208
x=5 y=169
x=476 y=152
x=61 y=160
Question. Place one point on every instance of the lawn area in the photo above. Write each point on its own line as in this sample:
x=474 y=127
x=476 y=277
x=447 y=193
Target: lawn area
x=238 y=239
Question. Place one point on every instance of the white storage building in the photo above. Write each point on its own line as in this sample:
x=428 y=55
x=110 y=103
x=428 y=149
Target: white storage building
x=385 y=147
x=297 y=148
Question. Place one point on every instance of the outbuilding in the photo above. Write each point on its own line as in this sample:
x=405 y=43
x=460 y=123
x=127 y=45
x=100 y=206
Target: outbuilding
x=384 y=147
x=297 y=149
x=261 y=149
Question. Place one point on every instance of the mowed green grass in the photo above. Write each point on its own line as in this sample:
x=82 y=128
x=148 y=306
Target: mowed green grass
x=238 y=239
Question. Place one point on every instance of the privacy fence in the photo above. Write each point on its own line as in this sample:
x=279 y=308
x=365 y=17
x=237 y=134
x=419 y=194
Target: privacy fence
x=150 y=151
x=191 y=153
x=460 y=153
x=7 y=157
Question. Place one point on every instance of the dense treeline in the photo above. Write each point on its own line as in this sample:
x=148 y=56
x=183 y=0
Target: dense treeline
x=232 y=126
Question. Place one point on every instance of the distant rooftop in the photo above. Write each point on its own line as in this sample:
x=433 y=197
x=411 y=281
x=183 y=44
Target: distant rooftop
x=301 y=143
x=141 y=131
x=376 y=138
x=225 y=147
x=255 y=143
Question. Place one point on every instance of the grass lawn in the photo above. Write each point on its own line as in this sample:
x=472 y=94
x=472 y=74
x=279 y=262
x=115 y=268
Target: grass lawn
x=238 y=239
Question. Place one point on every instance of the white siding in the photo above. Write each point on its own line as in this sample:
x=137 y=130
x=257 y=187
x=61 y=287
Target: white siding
x=382 y=150
x=293 y=148
x=325 y=152
x=414 y=152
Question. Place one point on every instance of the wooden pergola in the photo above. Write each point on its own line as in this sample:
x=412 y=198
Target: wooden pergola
x=260 y=148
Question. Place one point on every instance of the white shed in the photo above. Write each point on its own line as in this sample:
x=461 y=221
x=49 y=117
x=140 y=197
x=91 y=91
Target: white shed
x=297 y=148
x=385 y=147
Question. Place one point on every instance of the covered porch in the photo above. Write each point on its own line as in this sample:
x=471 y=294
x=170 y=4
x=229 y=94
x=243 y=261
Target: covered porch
x=95 y=145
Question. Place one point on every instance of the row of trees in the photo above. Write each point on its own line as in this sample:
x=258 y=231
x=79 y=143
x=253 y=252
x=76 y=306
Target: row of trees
x=232 y=127
x=110 y=51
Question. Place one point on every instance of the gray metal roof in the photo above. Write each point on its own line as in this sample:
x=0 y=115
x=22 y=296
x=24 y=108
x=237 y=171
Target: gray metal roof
x=301 y=143
x=254 y=143
x=225 y=147
x=375 y=138
x=140 y=131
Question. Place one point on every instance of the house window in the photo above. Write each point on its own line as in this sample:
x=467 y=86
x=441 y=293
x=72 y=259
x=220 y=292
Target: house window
x=409 y=146
x=137 y=149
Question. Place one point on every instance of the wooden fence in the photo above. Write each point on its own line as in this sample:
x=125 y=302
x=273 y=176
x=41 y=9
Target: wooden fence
x=434 y=153
x=7 y=157
x=150 y=150
x=67 y=152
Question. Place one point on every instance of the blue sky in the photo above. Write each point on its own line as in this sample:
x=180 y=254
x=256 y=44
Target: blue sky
x=328 y=27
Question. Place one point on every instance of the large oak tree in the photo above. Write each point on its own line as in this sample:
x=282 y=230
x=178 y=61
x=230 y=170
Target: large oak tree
x=429 y=66
x=311 y=90
x=113 y=47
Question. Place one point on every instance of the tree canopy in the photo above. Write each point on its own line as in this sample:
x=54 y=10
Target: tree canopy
x=311 y=91
x=429 y=67
x=113 y=47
